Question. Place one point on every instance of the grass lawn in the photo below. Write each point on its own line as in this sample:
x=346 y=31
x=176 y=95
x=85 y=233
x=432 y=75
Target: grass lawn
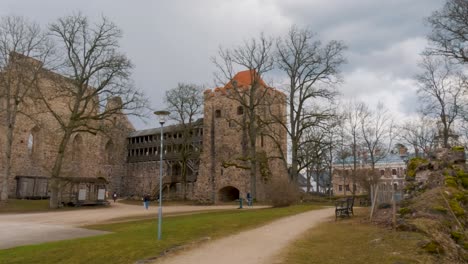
x=353 y=242
x=136 y=240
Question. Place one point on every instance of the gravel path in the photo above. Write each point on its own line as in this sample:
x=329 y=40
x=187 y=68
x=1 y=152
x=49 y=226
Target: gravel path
x=258 y=246
x=33 y=228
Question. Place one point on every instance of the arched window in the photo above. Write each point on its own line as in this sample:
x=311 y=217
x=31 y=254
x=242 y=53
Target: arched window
x=77 y=148
x=109 y=152
x=240 y=110
x=32 y=141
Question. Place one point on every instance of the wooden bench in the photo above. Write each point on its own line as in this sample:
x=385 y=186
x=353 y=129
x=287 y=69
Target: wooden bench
x=344 y=207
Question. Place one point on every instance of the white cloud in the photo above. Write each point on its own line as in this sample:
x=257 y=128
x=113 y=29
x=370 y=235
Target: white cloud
x=172 y=41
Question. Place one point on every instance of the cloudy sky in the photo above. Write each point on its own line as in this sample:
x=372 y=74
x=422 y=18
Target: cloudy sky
x=172 y=41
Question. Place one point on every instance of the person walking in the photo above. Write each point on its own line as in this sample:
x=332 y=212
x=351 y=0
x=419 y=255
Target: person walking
x=146 y=201
x=249 y=199
x=114 y=196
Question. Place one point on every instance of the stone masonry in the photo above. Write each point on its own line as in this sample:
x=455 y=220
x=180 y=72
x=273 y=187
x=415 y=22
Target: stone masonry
x=37 y=135
x=129 y=160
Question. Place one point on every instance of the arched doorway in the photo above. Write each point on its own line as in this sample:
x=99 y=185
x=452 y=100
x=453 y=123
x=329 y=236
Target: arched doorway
x=228 y=194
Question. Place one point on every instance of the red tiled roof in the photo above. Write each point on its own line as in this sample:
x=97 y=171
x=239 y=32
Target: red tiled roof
x=245 y=78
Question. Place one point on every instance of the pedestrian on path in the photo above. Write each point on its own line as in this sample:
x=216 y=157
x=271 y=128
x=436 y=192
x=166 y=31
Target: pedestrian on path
x=114 y=196
x=249 y=199
x=146 y=201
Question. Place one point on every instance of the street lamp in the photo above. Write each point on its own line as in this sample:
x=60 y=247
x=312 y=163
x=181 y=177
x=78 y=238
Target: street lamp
x=162 y=115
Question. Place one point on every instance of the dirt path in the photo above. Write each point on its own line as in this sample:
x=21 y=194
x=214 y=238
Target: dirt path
x=257 y=246
x=33 y=228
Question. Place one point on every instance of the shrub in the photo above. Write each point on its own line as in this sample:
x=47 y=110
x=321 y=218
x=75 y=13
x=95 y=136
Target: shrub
x=281 y=192
x=404 y=211
x=458 y=148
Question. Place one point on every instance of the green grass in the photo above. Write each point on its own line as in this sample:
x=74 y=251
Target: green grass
x=352 y=242
x=132 y=241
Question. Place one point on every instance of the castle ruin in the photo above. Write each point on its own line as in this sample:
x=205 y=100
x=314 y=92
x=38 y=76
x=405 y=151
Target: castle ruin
x=126 y=161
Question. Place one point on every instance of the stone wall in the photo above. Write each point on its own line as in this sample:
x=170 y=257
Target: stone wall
x=37 y=136
x=223 y=161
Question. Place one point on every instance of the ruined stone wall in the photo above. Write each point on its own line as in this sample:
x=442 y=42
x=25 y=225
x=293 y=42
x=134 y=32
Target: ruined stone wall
x=222 y=161
x=37 y=136
x=143 y=178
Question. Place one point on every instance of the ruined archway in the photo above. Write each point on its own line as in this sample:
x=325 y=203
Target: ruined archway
x=228 y=194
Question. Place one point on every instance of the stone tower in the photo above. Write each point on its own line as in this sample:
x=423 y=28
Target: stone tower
x=224 y=173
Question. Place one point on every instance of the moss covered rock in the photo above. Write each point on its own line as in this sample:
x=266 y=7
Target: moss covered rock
x=456 y=208
x=451 y=182
x=439 y=209
x=433 y=247
x=413 y=165
x=404 y=211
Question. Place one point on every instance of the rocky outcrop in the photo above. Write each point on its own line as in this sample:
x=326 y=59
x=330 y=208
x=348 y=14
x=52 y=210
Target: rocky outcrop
x=436 y=203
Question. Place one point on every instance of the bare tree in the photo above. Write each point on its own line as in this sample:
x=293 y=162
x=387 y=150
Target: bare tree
x=94 y=82
x=340 y=140
x=449 y=36
x=314 y=154
x=254 y=55
x=440 y=90
x=378 y=133
x=23 y=49
x=313 y=71
x=185 y=102
x=353 y=122
x=419 y=134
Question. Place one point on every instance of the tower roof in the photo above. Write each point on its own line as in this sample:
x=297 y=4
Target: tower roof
x=246 y=78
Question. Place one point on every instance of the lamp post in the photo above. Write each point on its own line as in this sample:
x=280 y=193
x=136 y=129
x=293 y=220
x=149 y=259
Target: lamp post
x=162 y=115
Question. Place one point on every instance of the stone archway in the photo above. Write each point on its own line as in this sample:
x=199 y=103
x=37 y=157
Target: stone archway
x=228 y=194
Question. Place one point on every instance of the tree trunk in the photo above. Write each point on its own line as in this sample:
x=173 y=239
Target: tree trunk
x=253 y=153
x=11 y=110
x=7 y=176
x=54 y=181
x=294 y=163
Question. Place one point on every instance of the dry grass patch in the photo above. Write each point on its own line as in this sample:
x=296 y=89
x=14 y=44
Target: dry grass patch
x=352 y=241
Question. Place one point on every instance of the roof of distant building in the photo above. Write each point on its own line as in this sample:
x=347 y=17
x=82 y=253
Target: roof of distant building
x=390 y=158
x=157 y=130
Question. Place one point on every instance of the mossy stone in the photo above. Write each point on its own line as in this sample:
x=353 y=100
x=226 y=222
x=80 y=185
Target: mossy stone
x=457 y=236
x=456 y=208
x=413 y=165
x=433 y=248
x=451 y=182
x=439 y=209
